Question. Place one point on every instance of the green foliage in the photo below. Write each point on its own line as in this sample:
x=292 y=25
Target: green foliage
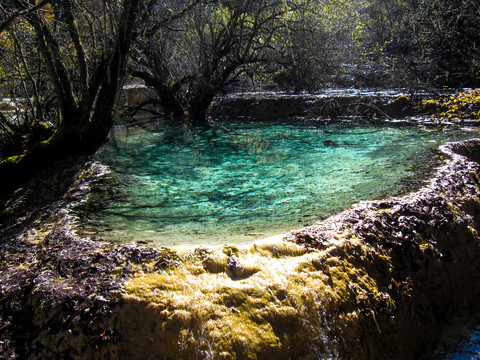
x=306 y=44
x=317 y=42
x=423 y=43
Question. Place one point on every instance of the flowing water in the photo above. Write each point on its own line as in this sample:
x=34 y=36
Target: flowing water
x=245 y=181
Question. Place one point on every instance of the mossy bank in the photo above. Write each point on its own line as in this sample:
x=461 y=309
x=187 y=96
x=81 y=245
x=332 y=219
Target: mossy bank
x=383 y=279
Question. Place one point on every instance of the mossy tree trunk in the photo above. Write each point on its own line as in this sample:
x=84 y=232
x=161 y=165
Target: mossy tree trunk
x=85 y=86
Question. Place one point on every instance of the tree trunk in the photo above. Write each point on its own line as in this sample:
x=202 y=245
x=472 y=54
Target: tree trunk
x=84 y=126
x=167 y=95
x=198 y=107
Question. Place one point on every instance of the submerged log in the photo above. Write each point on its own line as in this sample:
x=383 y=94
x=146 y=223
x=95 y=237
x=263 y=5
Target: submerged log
x=383 y=279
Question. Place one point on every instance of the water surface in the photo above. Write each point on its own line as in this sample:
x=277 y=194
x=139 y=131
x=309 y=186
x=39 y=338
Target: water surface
x=244 y=181
x=463 y=347
x=468 y=348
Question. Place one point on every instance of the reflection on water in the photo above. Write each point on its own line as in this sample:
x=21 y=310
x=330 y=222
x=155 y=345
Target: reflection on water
x=245 y=181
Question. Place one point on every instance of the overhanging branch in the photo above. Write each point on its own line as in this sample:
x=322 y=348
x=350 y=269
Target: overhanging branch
x=9 y=21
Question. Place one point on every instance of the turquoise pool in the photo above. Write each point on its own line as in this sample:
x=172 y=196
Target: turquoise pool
x=243 y=181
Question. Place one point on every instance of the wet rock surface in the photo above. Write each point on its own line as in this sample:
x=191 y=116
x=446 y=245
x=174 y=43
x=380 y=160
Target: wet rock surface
x=330 y=105
x=382 y=279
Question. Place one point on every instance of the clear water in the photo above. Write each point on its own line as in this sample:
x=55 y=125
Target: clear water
x=246 y=181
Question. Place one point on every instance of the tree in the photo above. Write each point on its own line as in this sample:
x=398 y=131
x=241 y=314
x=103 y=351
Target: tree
x=317 y=41
x=424 y=43
x=189 y=62
x=454 y=41
x=24 y=82
x=83 y=48
x=12 y=16
x=390 y=46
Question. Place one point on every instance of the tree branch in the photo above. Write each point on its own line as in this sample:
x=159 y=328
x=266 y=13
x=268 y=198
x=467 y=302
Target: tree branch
x=10 y=20
x=150 y=32
x=50 y=49
x=5 y=124
x=73 y=30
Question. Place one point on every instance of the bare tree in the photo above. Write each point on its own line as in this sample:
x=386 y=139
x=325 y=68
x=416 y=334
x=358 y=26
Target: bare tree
x=191 y=60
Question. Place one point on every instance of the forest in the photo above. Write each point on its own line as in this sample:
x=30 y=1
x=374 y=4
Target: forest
x=63 y=63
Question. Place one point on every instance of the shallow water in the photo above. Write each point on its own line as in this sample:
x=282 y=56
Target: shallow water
x=245 y=181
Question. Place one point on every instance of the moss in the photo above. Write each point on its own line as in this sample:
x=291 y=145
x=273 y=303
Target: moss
x=6 y=107
x=464 y=105
x=270 y=313
x=11 y=173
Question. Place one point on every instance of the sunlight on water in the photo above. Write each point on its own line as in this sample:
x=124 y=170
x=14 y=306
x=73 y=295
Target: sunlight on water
x=246 y=181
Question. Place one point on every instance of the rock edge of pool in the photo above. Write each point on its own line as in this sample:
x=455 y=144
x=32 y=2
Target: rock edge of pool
x=382 y=279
